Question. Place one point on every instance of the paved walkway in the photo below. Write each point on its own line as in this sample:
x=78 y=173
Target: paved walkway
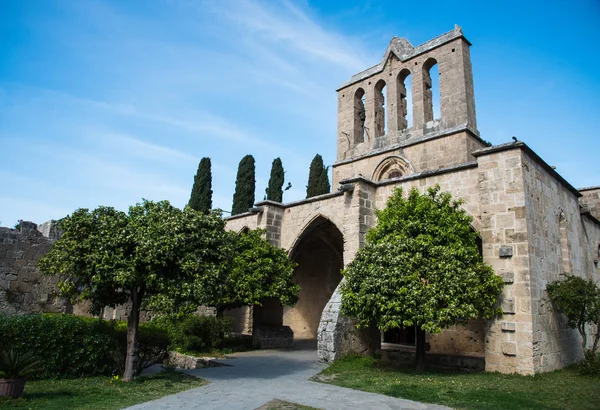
x=255 y=378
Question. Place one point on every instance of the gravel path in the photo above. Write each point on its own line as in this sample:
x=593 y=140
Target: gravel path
x=255 y=378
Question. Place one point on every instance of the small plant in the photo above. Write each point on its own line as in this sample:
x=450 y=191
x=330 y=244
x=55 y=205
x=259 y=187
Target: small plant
x=579 y=300
x=17 y=366
x=14 y=368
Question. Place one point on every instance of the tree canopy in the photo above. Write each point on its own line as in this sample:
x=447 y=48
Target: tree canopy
x=579 y=300
x=256 y=270
x=318 y=178
x=163 y=259
x=245 y=186
x=275 y=189
x=201 y=196
x=420 y=267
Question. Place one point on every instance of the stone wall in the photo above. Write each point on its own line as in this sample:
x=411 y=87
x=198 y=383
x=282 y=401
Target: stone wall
x=561 y=242
x=422 y=154
x=590 y=200
x=22 y=288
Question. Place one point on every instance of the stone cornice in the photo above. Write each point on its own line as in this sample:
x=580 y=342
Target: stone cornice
x=414 y=141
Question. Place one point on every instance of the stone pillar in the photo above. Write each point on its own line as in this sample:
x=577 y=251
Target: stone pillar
x=267 y=320
x=270 y=219
x=370 y=104
x=504 y=232
x=418 y=99
x=337 y=335
x=394 y=106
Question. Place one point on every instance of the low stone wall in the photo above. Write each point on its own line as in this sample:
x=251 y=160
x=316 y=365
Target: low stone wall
x=446 y=361
x=272 y=337
x=184 y=361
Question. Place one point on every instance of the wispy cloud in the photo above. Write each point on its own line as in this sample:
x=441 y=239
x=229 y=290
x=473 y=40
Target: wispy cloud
x=111 y=116
x=289 y=25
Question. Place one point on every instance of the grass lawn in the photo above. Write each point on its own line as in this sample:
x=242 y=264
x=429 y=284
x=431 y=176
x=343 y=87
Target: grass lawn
x=100 y=392
x=562 y=389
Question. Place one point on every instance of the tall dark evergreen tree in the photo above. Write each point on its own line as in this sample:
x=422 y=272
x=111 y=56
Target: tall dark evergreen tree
x=245 y=185
x=318 y=178
x=275 y=189
x=201 y=197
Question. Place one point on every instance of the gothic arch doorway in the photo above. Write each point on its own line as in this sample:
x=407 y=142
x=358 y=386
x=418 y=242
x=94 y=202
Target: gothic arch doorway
x=318 y=251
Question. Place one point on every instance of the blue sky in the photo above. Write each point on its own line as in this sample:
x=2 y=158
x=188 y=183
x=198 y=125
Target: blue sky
x=108 y=102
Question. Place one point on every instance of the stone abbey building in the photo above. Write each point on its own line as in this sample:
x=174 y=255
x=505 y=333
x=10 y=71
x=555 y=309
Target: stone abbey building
x=534 y=226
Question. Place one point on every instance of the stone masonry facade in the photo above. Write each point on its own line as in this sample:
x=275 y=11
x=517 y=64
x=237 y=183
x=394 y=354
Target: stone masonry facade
x=534 y=226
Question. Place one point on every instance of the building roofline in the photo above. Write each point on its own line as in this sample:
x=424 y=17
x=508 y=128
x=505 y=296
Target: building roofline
x=589 y=188
x=402 y=49
x=524 y=147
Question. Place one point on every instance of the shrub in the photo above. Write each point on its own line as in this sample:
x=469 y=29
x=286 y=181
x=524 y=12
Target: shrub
x=194 y=333
x=78 y=346
x=153 y=345
x=591 y=364
x=68 y=345
x=579 y=300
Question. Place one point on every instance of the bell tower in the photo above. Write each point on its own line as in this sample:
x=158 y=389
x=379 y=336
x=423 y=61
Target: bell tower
x=390 y=106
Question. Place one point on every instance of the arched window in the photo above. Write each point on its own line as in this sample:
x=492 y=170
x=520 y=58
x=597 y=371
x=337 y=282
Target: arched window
x=390 y=168
x=380 y=110
x=432 y=90
x=405 y=116
x=360 y=115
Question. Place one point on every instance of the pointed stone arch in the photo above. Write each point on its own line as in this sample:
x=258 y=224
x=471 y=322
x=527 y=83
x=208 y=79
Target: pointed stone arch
x=392 y=167
x=319 y=252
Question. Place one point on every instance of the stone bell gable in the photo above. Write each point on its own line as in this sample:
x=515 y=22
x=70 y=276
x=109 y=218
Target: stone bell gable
x=374 y=111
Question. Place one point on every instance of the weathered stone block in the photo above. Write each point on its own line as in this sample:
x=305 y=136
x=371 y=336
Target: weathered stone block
x=509 y=326
x=509 y=348
x=506 y=251
x=508 y=277
x=508 y=306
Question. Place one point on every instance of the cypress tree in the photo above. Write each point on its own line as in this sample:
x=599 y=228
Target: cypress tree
x=201 y=197
x=245 y=185
x=275 y=189
x=324 y=186
x=318 y=178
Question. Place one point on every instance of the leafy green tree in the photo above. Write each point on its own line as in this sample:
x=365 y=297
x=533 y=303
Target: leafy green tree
x=256 y=271
x=150 y=257
x=579 y=300
x=318 y=178
x=420 y=267
x=201 y=197
x=245 y=186
x=275 y=189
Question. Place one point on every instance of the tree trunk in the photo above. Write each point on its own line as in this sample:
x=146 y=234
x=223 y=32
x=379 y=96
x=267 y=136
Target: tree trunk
x=221 y=332
x=420 y=358
x=133 y=321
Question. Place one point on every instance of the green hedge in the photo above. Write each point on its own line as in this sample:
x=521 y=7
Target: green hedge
x=78 y=346
x=193 y=333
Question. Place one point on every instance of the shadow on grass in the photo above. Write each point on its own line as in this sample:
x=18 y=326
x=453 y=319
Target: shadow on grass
x=473 y=390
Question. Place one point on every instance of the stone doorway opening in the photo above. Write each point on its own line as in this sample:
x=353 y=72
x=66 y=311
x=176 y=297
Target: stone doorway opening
x=318 y=251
